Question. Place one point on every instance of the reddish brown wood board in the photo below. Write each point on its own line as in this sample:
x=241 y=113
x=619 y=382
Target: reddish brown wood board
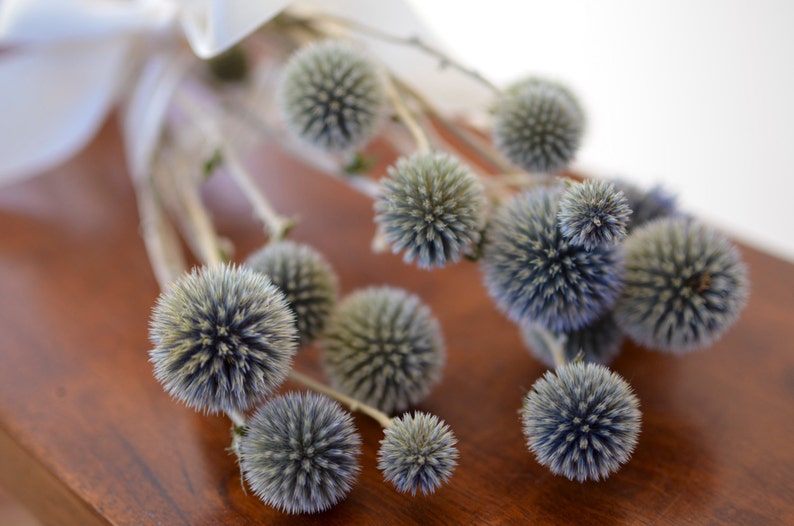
x=88 y=436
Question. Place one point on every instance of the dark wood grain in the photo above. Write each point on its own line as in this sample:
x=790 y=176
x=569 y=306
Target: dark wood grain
x=88 y=436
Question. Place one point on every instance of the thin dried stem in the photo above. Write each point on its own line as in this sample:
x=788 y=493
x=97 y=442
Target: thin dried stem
x=469 y=139
x=276 y=224
x=405 y=115
x=204 y=234
x=237 y=418
x=351 y=25
x=351 y=403
x=556 y=347
x=359 y=183
x=160 y=238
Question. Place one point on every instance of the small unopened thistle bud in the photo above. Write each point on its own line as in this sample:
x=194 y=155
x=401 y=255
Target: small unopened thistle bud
x=299 y=453
x=538 y=125
x=306 y=279
x=331 y=96
x=646 y=205
x=418 y=453
x=581 y=421
x=685 y=285
x=535 y=275
x=223 y=337
x=384 y=347
x=430 y=209
x=593 y=213
x=229 y=66
x=598 y=342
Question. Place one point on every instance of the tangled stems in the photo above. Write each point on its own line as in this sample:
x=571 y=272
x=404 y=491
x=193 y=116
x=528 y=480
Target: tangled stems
x=276 y=225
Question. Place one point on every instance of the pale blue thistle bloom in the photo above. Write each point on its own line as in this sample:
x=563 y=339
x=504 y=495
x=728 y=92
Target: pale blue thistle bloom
x=593 y=213
x=383 y=347
x=581 y=421
x=430 y=208
x=418 y=453
x=224 y=338
x=685 y=285
x=299 y=453
x=331 y=96
x=535 y=275
x=306 y=279
x=538 y=125
x=646 y=205
x=598 y=342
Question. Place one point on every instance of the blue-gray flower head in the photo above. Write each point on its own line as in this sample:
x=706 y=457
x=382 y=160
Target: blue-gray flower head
x=538 y=125
x=599 y=342
x=384 y=347
x=306 y=279
x=593 y=213
x=418 y=453
x=581 y=421
x=685 y=285
x=646 y=205
x=299 y=453
x=223 y=337
x=535 y=275
x=430 y=208
x=331 y=96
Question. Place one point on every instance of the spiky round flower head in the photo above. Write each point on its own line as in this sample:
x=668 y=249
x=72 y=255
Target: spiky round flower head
x=331 y=96
x=223 y=337
x=418 y=453
x=598 y=342
x=306 y=279
x=535 y=275
x=646 y=205
x=384 y=347
x=299 y=453
x=538 y=125
x=593 y=213
x=581 y=421
x=430 y=208
x=685 y=285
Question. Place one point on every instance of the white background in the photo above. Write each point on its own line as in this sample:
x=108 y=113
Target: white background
x=697 y=95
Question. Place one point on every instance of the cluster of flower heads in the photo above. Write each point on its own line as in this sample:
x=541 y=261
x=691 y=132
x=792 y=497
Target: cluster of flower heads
x=577 y=265
x=224 y=337
x=553 y=261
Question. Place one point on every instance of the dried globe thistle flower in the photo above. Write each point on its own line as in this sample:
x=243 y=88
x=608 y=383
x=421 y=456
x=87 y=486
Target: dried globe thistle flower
x=431 y=208
x=685 y=284
x=223 y=337
x=418 y=453
x=646 y=205
x=306 y=279
x=598 y=342
x=384 y=347
x=299 y=453
x=331 y=96
x=538 y=125
x=593 y=213
x=581 y=421
x=535 y=275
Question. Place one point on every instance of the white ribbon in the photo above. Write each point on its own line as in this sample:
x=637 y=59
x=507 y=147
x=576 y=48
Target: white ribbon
x=69 y=60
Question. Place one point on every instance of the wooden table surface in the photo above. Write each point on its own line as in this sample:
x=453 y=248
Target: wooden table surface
x=88 y=436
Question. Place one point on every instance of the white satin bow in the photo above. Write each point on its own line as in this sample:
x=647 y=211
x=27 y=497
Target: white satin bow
x=65 y=63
